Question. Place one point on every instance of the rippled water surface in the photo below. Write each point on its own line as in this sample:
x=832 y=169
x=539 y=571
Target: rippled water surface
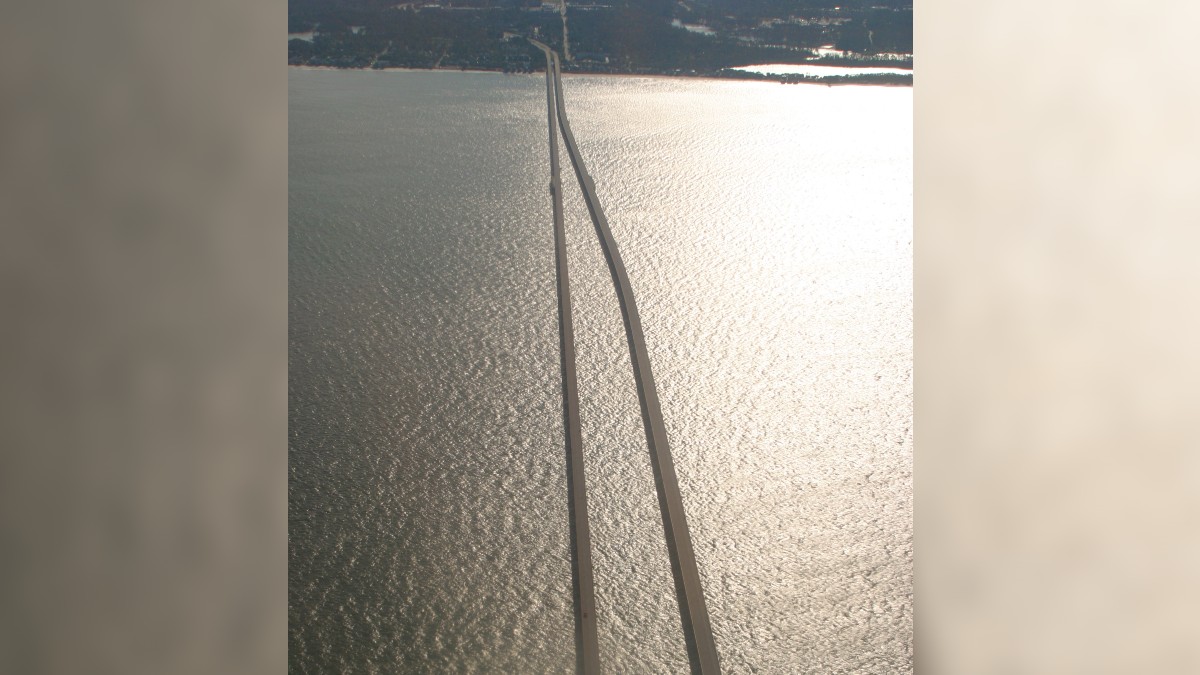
x=767 y=232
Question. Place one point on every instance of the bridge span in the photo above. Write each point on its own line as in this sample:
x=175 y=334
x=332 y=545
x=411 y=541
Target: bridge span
x=702 y=651
x=587 y=647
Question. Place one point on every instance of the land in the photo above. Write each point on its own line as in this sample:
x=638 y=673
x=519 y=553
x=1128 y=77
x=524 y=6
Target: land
x=646 y=37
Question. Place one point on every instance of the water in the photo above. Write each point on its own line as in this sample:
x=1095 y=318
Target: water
x=767 y=232
x=693 y=27
x=804 y=69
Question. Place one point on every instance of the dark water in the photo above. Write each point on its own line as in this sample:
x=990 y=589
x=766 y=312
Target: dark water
x=767 y=233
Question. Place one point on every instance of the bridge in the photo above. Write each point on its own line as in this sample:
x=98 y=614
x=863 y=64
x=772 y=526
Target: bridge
x=702 y=651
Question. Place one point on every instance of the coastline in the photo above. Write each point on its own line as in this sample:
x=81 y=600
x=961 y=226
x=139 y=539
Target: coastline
x=828 y=81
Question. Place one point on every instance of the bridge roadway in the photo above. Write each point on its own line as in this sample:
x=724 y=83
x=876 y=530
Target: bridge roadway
x=587 y=646
x=702 y=650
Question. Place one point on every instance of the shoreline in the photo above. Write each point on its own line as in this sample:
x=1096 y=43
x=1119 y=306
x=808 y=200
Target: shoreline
x=828 y=81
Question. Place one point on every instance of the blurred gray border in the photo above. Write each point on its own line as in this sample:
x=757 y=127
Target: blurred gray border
x=143 y=336
x=1057 y=217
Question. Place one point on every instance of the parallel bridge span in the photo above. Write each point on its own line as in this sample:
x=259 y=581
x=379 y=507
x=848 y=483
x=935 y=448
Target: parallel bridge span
x=702 y=651
x=587 y=648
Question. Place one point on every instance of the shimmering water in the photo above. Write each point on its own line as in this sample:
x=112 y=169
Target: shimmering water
x=767 y=232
